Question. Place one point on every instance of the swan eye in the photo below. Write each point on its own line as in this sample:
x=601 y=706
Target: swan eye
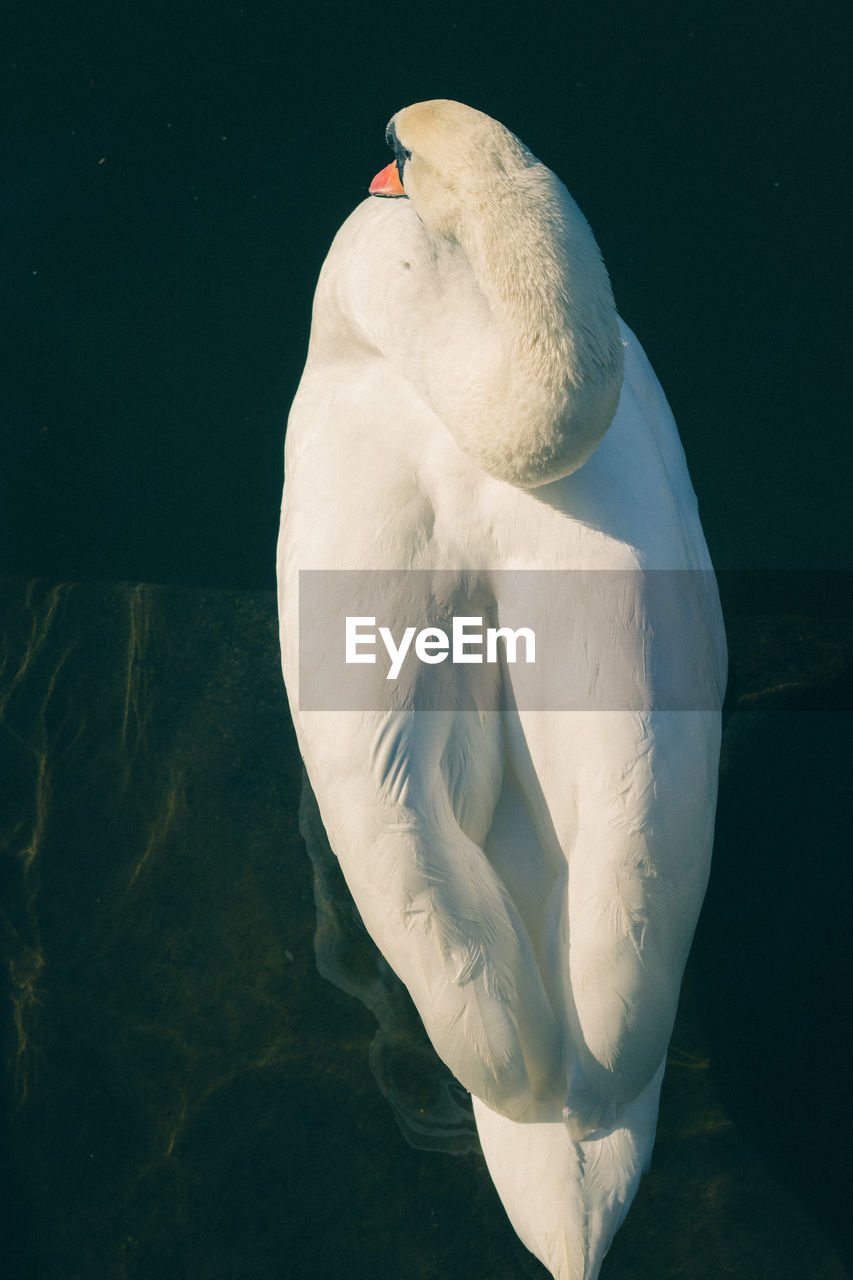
x=402 y=156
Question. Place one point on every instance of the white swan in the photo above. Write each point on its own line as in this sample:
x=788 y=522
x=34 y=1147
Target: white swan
x=534 y=876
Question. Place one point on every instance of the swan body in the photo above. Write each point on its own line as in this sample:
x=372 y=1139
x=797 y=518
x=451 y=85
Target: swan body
x=472 y=411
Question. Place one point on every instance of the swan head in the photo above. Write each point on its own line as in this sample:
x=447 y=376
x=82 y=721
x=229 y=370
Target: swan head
x=541 y=379
x=451 y=159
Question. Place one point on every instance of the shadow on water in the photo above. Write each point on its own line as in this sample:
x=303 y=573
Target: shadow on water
x=188 y=1096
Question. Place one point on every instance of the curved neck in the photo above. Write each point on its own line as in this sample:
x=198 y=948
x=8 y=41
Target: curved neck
x=540 y=394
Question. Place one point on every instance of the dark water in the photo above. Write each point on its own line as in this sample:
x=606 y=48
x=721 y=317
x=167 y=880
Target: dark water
x=186 y=1095
x=174 y=174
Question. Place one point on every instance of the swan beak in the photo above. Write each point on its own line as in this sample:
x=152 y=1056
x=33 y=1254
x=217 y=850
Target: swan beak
x=387 y=183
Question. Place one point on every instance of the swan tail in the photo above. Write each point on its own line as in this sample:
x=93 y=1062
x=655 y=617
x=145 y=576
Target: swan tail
x=566 y=1199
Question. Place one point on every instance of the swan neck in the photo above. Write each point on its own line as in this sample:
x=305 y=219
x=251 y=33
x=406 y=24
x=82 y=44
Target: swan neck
x=554 y=386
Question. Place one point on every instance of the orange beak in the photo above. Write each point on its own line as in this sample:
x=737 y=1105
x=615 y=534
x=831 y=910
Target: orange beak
x=387 y=183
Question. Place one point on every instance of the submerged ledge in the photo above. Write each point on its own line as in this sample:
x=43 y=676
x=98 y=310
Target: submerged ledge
x=187 y=1096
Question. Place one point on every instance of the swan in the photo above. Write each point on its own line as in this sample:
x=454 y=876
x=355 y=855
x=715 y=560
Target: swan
x=476 y=428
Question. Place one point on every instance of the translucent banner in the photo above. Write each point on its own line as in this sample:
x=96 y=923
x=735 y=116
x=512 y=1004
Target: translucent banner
x=550 y=640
